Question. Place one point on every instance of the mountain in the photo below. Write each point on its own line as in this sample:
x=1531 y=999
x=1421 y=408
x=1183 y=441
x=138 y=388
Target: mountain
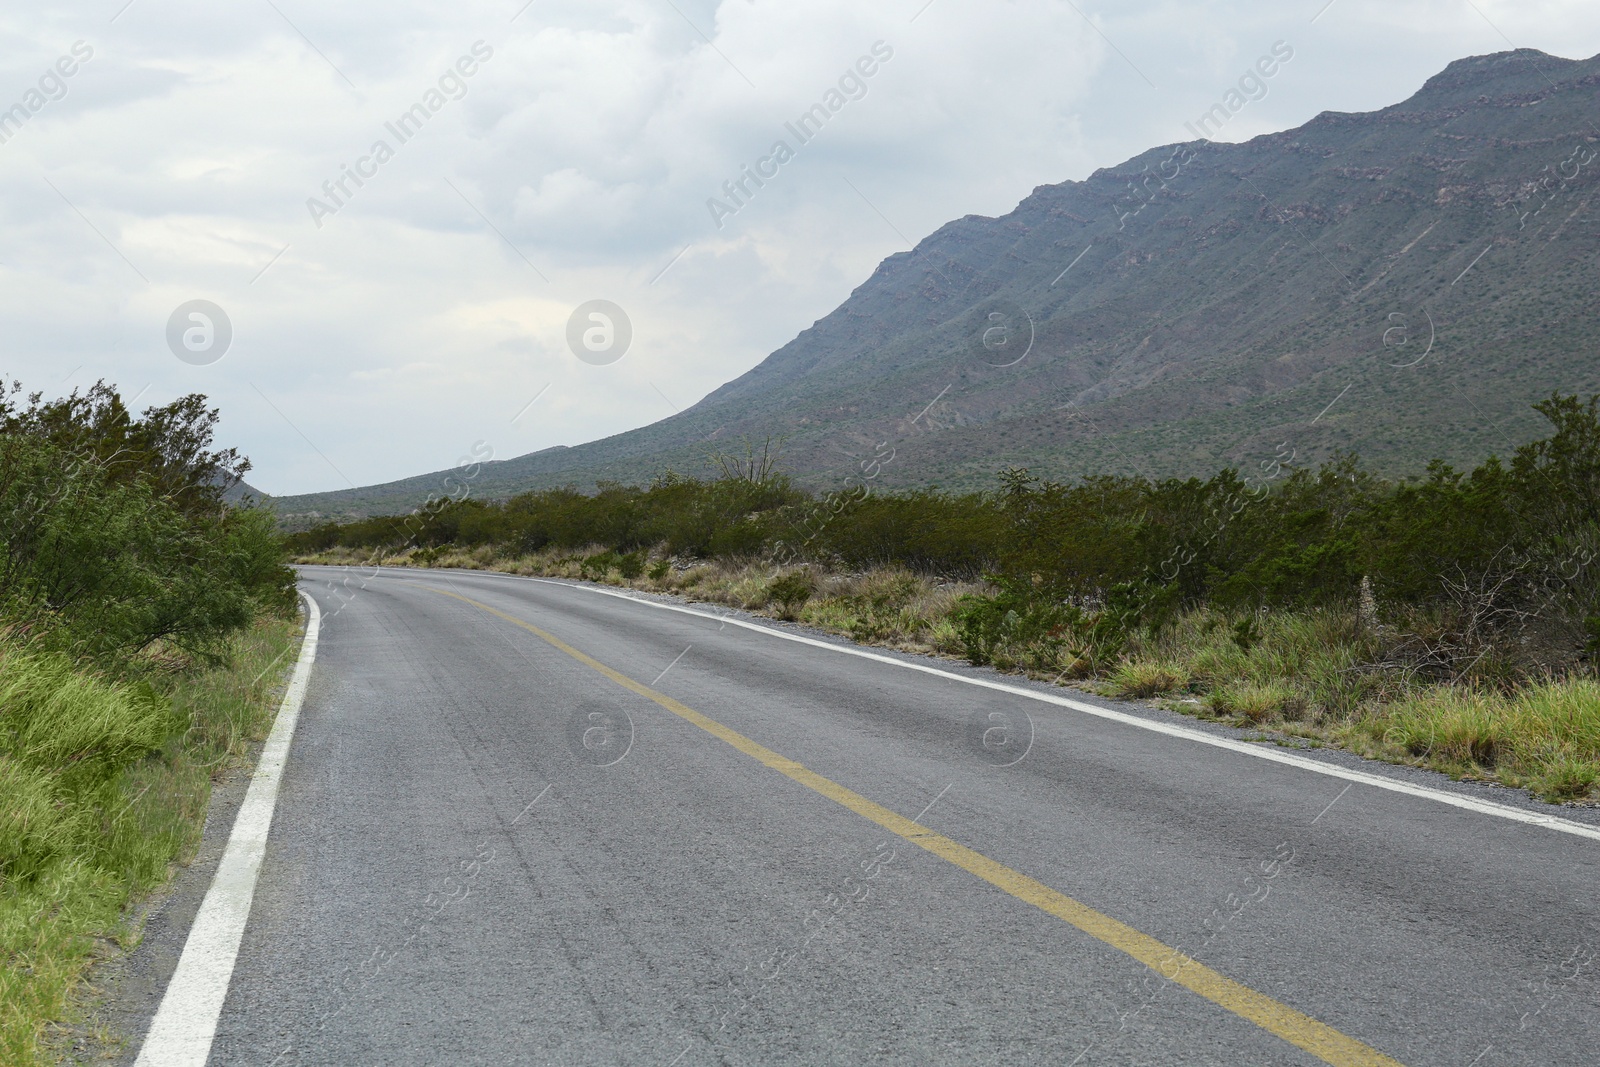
x=242 y=493
x=1403 y=283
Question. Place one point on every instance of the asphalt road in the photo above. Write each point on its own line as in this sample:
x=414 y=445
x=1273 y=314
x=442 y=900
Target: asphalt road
x=648 y=837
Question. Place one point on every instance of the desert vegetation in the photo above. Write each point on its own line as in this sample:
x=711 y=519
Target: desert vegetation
x=1450 y=620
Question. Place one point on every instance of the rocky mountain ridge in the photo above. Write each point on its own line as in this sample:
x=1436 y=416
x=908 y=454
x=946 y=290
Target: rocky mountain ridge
x=1403 y=283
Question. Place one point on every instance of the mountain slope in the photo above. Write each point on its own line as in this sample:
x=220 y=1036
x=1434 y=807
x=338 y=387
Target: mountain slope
x=1403 y=283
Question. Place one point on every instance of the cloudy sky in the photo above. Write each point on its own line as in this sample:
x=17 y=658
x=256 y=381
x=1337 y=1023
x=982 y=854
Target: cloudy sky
x=564 y=151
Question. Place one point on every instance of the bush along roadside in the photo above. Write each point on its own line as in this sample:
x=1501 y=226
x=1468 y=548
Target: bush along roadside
x=1452 y=620
x=145 y=625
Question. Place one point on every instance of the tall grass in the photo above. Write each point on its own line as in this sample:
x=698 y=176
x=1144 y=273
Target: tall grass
x=1545 y=737
x=65 y=737
x=103 y=785
x=1270 y=665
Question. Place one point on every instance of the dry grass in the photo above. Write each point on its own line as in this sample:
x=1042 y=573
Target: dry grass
x=887 y=606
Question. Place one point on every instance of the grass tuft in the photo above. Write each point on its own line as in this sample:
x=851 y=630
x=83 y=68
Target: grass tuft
x=1257 y=702
x=1140 y=679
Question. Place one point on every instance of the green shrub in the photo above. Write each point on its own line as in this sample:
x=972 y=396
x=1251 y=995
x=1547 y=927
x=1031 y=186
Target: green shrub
x=1013 y=618
x=1498 y=560
x=114 y=535
x=791 y=591
x=427 y=557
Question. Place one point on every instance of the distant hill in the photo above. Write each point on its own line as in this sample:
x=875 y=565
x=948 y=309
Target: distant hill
x=242 y=492
x=1428 y=270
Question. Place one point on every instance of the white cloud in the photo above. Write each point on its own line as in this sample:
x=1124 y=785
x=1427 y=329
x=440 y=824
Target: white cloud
x=410 y=325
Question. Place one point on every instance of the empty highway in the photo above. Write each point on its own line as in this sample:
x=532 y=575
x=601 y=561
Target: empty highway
x=526 y=822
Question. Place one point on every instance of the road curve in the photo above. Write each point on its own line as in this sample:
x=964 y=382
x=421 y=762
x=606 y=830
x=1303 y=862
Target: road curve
x=527 y=823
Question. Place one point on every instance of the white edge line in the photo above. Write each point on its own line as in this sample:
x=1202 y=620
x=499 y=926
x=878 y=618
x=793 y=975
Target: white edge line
x=1482 y=807
x=182 y=1030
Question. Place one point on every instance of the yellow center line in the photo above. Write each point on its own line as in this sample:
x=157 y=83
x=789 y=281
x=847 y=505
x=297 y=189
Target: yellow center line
x=1297 y=1028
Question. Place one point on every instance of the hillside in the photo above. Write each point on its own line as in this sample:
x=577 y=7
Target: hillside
x=1428 y=270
